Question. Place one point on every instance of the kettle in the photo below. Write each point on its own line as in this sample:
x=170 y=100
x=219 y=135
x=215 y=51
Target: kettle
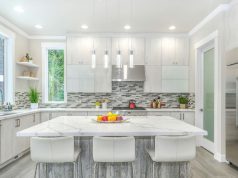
x=132 y=104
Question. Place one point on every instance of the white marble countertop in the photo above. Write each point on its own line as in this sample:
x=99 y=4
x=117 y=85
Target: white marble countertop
x=136 y=126
x=22 y=112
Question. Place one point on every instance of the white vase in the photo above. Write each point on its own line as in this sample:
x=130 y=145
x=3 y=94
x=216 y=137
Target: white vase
x=97 y=107
x=104 y=105
x=34 y=105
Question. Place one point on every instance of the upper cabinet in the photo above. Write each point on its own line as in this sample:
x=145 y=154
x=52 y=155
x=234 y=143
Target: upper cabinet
x=124 y=45
x=79 y=49
x=174 y=51
x=153 y=51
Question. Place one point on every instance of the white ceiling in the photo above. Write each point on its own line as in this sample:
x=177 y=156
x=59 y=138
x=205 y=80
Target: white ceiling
x=59 y=17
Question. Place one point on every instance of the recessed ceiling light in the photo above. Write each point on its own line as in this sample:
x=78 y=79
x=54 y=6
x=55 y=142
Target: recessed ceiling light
x=38 y=26
x=84 y=26
x=172 y=27
x=127 y=27
x=19 y=9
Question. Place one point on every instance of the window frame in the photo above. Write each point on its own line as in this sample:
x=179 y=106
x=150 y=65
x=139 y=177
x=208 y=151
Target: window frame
x=9 y=64
x=45 y=83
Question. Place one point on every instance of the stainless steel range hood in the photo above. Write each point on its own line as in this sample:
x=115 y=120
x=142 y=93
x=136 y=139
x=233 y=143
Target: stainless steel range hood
x=137 y=73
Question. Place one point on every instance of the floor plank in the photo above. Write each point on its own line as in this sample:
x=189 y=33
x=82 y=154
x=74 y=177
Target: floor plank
x=204 y=166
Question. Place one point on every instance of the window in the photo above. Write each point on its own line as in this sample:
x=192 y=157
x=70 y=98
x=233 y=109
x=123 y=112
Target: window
x=54 y=89
x=7 y=51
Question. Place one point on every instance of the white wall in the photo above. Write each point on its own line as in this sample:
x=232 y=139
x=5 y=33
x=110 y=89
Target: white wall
x=21 y=48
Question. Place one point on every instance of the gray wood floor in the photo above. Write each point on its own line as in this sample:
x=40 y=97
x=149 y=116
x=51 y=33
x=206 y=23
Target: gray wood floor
x=204 y=166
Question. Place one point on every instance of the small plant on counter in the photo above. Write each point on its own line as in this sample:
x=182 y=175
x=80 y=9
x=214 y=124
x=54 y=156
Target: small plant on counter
x=33 y=95
x=183 y=102
x=98 y=104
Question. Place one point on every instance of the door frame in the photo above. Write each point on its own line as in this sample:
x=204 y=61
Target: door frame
x=211 y=39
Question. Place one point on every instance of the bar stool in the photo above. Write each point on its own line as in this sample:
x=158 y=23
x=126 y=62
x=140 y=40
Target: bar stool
x=112 y=150
x=55 y=150
x=173 y=149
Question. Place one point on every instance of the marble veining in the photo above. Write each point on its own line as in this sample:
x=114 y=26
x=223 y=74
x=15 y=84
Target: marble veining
x=136 y=126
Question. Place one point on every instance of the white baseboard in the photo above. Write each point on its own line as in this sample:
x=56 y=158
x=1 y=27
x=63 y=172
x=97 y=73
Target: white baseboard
x=220 y=157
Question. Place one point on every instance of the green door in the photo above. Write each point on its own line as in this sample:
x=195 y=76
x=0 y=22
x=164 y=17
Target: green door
x=208 y=94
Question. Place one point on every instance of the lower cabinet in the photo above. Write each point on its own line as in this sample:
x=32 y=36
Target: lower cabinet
x=186 y=116
x=10 y=144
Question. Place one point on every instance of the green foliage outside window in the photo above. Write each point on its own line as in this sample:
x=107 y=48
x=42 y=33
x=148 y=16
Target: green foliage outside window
x=56 y=75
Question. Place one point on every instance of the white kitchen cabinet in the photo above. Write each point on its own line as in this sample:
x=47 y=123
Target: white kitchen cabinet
x=175 y=51
x=124 y=45
x=103 y=80
x=79 y=50
x=7 y=139
x=175 y=79
x=181 y=50
x=45 y=116
x=58 y=114
x=153 y=51
x=80 y=78
x=168 y=51
x=176 y=115
x=153 y=79
x=189 y=117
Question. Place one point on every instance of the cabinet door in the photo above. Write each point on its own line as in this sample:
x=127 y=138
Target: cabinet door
x=176 y=115
x=153 y=79
x=45 y=116
x=154 y=51
x=189 y=117
x=103 y=80
x=181 y=51
x=7 y=139
x=80 y=78
x=138 y=47
x=168 y=51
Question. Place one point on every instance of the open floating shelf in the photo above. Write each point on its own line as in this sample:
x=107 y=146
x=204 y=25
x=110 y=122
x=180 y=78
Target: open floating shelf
x=27 y=78
x=28 y=64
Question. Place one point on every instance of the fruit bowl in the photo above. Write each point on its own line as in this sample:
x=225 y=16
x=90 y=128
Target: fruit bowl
x=110 y=118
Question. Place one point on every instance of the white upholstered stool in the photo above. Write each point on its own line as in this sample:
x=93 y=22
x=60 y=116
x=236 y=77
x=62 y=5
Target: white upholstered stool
x=55 y=150
x=113 y=149
x=173 y=149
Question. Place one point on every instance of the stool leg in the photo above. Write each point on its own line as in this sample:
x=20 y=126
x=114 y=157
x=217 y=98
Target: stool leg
x=36 y=170
x=75 y=169
x=81 y=168
x=95 y=170
x=132 y=170
x=153 y=169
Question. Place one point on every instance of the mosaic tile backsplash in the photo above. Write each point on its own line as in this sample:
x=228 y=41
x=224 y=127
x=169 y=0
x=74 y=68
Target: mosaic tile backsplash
x=122 y=92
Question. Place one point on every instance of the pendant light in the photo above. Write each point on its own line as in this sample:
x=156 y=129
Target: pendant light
x=106 y=59
x=119 y=61
x=93 y=51
x=93 y=59
x=131 y=58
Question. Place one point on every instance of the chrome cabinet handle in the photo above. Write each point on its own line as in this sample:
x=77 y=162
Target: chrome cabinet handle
x=201 y=110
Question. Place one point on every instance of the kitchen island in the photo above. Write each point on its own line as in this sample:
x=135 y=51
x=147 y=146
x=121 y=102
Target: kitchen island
x=144 y=128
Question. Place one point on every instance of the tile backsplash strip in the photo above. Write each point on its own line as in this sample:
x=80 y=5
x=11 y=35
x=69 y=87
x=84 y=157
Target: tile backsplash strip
x=122 y=92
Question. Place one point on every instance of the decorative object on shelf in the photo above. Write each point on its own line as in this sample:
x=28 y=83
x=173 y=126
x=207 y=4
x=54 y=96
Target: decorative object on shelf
x=33 y=95
x=156 y=103
x=98 y=104
x=104 y=103
x=26 y=73
x=183 y=102
x=26 y=58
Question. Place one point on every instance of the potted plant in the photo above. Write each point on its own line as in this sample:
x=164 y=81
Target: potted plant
x=183 y=102
x=98 y=104
x=33 y=97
